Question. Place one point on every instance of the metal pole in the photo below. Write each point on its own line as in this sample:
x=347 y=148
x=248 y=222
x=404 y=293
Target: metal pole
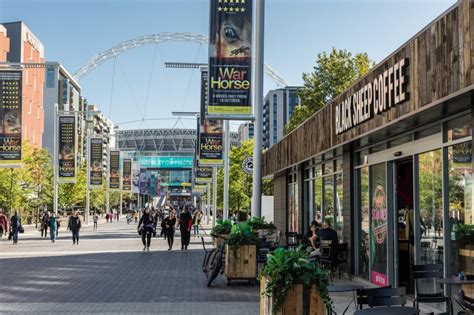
x=88 y=197
x=107 y=192
x=214 y=199
x=257 y=101
x=226 y=169
x=208 y=201
x=121 y=201
x=55 y=159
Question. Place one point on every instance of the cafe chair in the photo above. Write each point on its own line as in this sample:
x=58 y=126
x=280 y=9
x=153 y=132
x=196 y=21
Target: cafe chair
x=291 y=239
x=327 y=256
x=466 y=303
x=431 y=271
x=386 y=297
x=362 y=296
x=341 y=262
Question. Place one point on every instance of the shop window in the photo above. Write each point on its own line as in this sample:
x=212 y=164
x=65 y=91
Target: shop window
x=338 y=207
x=318 y=200
x=339 y=165
x=328 y=199
x=364 y=250
x=328 y=168
x=427 y=132
x=459 y=128
x=361 y=157
x=400 y=141
x=461 y=212
x=293 y=208
x=377 y=148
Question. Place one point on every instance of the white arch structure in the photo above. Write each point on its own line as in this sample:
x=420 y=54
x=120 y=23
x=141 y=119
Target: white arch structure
x=100 y=58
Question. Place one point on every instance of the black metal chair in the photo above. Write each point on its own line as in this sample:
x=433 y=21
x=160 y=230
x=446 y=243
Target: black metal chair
x=430 y=271
x=362 y=296
x=291 y=239
x=466 y=303
x=386 y=297
x=341 y=262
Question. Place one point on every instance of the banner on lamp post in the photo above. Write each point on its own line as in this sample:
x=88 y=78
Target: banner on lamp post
x=10 y=116
x=114 y=170
x=230 y=60
x=67 y=149
x=210 y=141
x=135 y=177
x=96 y=163
x=127 y=175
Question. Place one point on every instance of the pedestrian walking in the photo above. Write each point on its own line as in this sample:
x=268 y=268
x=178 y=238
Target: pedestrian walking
x=135 y=216
x=15 y=227
x=145 y=228
x=74 y=225
x=107 y=217
x=96 y=220
x=197 y=215
x=45 y=224
x=58 y=223
x=3 y=224
x=168 y=228
x=129 y=218
x=185 y=223
x=53 y=228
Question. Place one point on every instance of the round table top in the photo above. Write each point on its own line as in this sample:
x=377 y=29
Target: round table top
x=454 y=280
x=393 y=310
x=344 y=287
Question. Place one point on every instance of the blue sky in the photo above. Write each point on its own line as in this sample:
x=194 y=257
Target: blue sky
x=73 y=31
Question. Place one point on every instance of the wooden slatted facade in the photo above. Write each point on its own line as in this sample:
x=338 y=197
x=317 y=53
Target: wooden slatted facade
x=441 y=59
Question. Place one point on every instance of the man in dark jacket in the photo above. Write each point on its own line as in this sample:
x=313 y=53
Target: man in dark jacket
x=74 y=225
x=45 y=224
x=15 y=226
x=185 y=224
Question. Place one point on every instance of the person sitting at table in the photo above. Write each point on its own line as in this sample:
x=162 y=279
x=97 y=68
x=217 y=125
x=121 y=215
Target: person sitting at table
x=311 y=238
x=327 y=234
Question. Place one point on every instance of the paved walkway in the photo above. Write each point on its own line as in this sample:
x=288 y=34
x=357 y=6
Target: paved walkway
x=109 y=273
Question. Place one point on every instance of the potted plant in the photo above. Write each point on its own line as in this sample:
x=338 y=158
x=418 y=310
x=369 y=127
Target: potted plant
x=289 y=275
x=265 y=230
x=241 y=253
x=221 y=231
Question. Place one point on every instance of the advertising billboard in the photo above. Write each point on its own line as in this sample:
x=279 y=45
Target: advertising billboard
x=230 y=60
x=203 y=174
x=67 y=149
x=96 y=163
x=135 y=177
x=10 y=117
x=127 y=175
x=114 y=170
x=211 y=145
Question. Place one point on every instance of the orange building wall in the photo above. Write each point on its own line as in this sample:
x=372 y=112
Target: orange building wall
x=4 y=44
x=33 y=112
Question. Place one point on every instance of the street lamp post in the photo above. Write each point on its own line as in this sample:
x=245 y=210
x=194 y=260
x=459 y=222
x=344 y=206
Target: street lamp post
x=226 y=169
x=257 y=104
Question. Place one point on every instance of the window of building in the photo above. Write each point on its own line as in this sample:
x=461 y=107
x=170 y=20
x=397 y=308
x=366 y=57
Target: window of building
x=364 y=221
x=459 y=128
x=293 y=205
x=461 y=211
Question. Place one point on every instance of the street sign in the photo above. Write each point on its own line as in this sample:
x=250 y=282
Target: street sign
x=247 y=165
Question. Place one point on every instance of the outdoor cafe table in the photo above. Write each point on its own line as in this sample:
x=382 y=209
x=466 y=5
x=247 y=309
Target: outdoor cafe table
x=345 y=288
x=392 y=310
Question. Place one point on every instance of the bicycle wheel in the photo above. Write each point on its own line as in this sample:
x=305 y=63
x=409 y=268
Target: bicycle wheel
x=214 y=268
x=208 y=258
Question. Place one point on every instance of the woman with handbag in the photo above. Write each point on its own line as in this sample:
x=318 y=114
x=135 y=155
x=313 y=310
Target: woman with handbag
x=169 y=225
x=15 y=227
x=145 y=228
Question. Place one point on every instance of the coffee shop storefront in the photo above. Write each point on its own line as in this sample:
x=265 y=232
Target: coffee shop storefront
x=389 y=161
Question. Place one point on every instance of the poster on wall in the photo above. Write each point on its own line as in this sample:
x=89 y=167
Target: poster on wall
x=136 y=177
x=10 y=116
x=211 y=145
x=114 y=170
x=67 y=149
x=96 y=164
x=230 y=60
x=127 y=175
x=378 y=227
x=154 y=187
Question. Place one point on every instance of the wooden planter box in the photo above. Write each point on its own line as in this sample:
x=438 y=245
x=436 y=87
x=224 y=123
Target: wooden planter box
x=294 y=301
x=219 y=239
x=243 y=265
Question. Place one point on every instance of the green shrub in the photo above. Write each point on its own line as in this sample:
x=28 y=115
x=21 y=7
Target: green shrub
x=221 y=227
x=286 y=267
x=260 y=224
